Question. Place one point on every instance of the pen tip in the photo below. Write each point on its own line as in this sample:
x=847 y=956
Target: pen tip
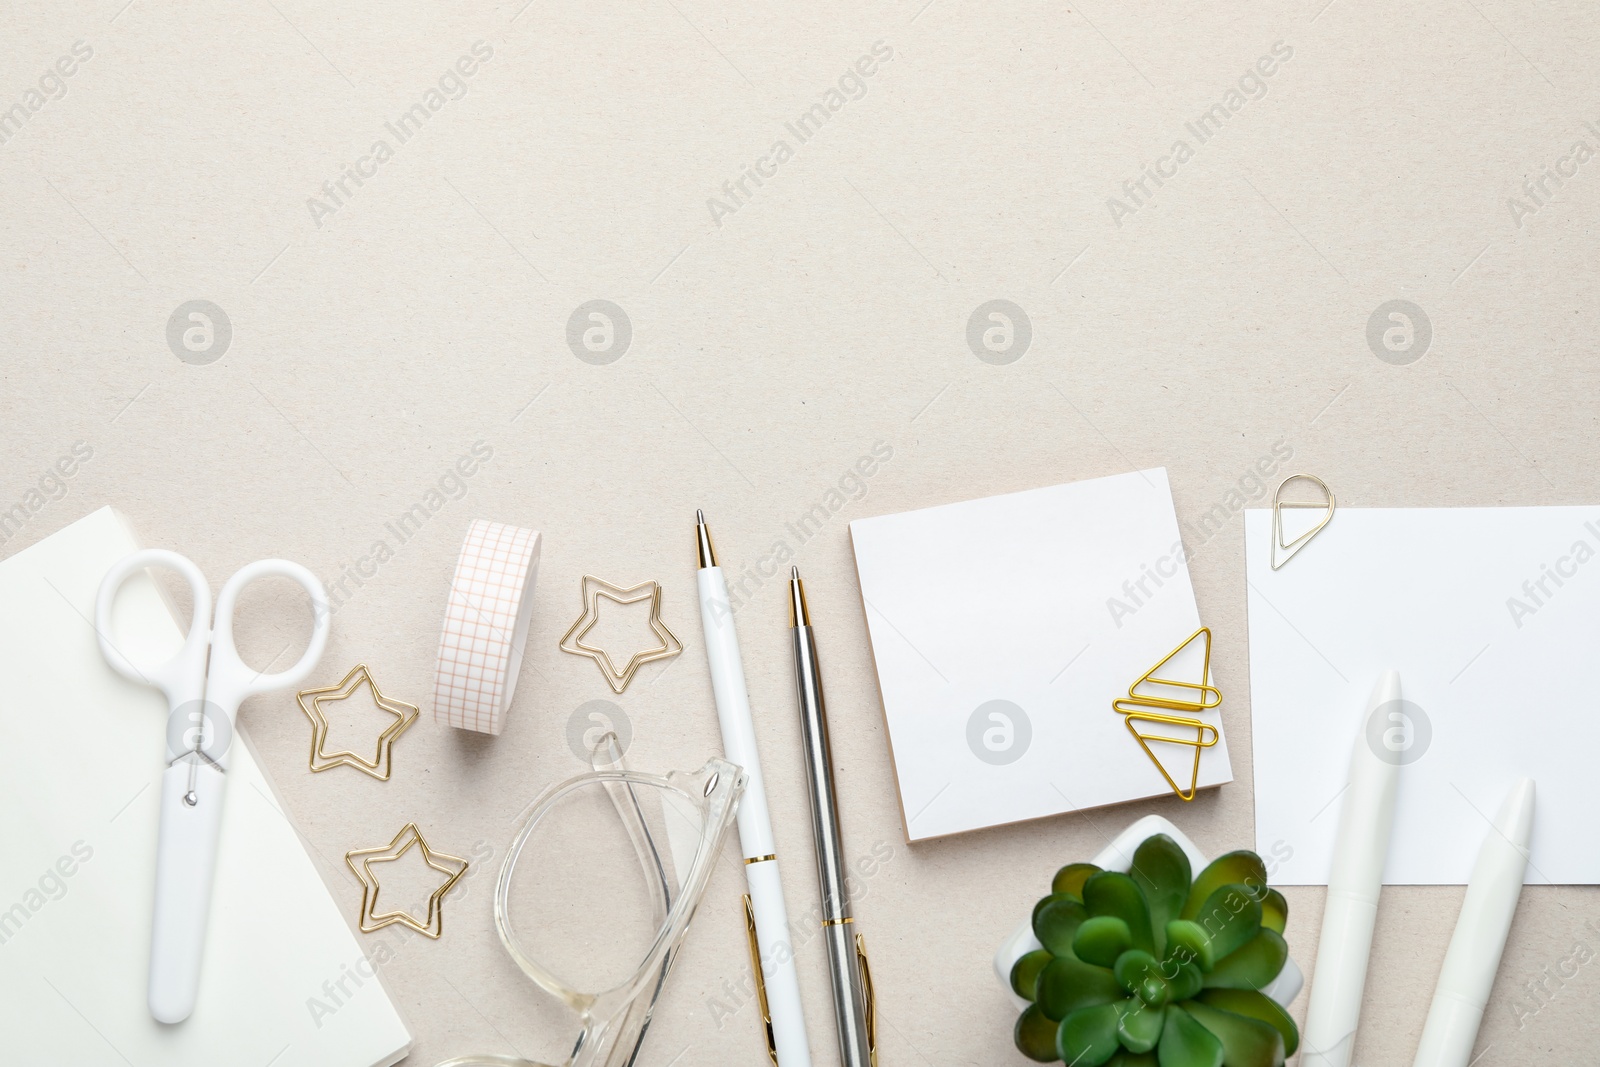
x=705 y=551
x=1387 y=690
x=798 y=614
x=1514 y=821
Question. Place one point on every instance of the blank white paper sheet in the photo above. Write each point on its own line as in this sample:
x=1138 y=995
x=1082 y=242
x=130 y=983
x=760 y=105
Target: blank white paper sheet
x=1003 y=628
x=81 y=757
x=1492 y=618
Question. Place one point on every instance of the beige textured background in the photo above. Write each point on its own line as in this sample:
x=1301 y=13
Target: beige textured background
x=770 y=352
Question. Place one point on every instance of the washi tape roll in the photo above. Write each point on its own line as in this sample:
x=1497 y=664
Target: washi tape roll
x=485 y=626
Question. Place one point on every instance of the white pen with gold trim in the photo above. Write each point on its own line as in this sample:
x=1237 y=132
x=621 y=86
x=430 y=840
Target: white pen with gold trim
x=778 y=981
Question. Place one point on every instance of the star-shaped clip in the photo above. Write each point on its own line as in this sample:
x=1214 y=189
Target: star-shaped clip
x=593 y=589
x=360 y=862
x=311 y=701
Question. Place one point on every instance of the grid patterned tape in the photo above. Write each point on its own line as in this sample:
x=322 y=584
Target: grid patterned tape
x=485 y=626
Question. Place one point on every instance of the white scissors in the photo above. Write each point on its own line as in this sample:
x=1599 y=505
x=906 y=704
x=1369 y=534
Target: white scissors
x=203 y=701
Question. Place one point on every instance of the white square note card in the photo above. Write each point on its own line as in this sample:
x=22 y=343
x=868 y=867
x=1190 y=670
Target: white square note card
x=1003 y=628
x=1492 y=618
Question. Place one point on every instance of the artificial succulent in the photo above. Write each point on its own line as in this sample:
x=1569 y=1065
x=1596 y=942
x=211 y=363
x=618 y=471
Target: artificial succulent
x=1151 y=969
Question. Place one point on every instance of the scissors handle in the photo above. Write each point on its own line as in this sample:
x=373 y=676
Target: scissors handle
x=182 y=677
x=230 y=679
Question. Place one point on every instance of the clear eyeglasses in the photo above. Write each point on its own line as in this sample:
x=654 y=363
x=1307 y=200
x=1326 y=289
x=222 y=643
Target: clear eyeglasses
x=597 y=891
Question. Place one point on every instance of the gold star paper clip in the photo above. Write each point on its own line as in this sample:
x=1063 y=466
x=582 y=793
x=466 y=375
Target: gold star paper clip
x=311 y=701
x=360 y=862
x=593 y=589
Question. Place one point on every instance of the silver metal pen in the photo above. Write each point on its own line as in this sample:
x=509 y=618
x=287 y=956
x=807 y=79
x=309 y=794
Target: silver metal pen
x=847 y=955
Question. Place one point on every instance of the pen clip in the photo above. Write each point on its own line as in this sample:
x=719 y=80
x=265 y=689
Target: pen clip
x=869 y=999
x=761 y=982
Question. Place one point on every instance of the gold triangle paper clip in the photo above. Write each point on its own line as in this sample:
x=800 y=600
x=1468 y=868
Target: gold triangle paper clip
x=1209 y=696
x=1283 y=551
x=1198 y=743
x=1140 y=706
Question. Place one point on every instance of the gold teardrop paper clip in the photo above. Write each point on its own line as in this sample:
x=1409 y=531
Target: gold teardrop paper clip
x=1139 y=706
x=1292 y=548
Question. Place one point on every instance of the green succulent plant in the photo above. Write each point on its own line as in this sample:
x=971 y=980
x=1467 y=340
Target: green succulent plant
x=1153 y=969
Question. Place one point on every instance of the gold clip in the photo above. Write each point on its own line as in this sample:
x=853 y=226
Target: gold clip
x=1283 y=551
x=1209 y=695
x=592 y=589
x=761 y=982
x=869 y=1000
x=1198 y=743
x=372 y=920
x=1140 y=707
x=322 y=760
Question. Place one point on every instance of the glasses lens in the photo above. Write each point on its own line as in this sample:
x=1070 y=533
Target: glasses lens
x=589 y=893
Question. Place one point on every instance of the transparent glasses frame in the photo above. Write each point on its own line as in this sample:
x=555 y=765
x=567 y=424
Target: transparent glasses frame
x=613 y=1022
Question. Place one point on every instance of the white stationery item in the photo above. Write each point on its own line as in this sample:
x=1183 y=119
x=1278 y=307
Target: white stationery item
x=1491 y=615
x=204 y=683
x=1473 y=958
x=1118 y=856
x=1003 y=628
x=81 y=751
x=1366 y=814
x=765 y=912
x=485 y=626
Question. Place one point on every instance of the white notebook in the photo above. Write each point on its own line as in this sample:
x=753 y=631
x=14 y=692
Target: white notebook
x=81 y=750
x=1003 y=628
